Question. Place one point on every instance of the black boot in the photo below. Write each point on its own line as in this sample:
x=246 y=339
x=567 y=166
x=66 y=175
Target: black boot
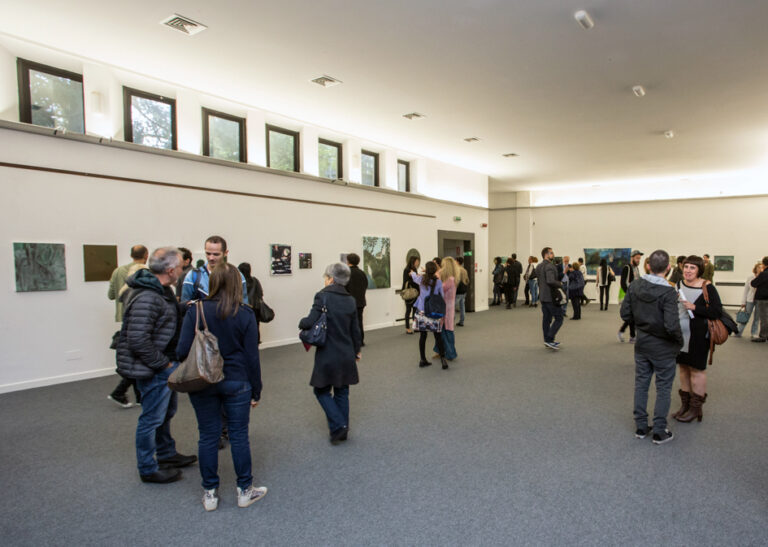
x=444 y=362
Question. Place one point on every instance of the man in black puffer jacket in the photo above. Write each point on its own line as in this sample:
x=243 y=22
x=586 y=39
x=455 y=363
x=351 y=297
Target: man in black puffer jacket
x=146 y=351
x=651 y=304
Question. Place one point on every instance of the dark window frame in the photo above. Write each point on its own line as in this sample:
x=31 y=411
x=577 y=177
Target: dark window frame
x=23 y=66
x=375 y=156
x=296 y=149
x=407 y=175
x=207 y=113
x=129 y=92
x=340 y=156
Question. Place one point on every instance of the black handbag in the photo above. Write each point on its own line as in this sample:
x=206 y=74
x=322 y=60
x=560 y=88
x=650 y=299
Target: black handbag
x=264 y=314
x=315 y=335
x=434 y=304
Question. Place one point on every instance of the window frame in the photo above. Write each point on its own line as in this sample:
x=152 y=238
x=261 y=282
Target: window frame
x=407 y=175
x=339 y=157
x=284 y=131
x=207 y=113
x=375 y=156
x=23 y=66
x=129 y=92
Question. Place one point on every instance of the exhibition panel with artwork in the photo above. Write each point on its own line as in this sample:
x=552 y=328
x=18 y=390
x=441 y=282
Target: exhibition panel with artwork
x=617 y=258
x=305 y=261
x=376 y=261
x=99 y=261
x=724 y=263
x=40 y=267
x=281 y=259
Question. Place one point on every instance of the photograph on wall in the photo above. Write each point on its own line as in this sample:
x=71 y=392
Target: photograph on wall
x=305 y=261
x=376 y=261
x=99 y=261
x=343 y=258
x=40 y=267
x=723 y=263
x=281 y=260
x=617 y=258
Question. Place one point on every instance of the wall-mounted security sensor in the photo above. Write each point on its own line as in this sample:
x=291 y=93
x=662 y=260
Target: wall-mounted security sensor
x=583 y=19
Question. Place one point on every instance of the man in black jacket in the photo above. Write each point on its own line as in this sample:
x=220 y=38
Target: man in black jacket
x=761 y=301
x=513 y=270
x=629 y=273
x=358 y=284
x=651 y=304
x=146 y=351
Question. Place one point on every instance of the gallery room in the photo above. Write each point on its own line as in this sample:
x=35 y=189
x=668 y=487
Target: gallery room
x=303 y=133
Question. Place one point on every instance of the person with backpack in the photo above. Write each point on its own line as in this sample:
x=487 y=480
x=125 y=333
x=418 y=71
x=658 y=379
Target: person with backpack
x=195 y=286
x=430 y=296
x=552 y=297
x=694 y=315
x=498 y=278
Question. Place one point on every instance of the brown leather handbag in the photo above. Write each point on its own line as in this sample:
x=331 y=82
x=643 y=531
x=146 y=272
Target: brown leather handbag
x=718 y=333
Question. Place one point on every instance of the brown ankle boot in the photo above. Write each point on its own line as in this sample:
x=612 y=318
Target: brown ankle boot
x=694 y=412
x=685 y=398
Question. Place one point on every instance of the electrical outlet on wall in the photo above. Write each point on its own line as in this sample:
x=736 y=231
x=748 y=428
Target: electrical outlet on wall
x=73 y=355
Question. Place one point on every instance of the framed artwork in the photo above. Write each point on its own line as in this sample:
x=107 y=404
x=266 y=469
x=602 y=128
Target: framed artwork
x=99 y=261
x=40 y=267
x=376 y=262
x=723 y=263
x=617 y=258
x=305 y=261
x=343 y=258
x=281 y=259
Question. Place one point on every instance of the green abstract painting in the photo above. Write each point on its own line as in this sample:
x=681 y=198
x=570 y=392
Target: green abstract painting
x=376 y=261
x=40 y=267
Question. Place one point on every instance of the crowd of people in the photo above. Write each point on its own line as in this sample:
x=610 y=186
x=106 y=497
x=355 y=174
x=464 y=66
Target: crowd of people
x=667 y=311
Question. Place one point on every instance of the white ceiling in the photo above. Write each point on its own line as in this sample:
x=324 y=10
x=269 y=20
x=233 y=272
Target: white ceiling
x=520 y=75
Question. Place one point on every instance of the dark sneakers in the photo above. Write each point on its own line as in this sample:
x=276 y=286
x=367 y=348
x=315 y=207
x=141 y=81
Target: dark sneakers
x=642 y=432
x=423 y=363
x=339 y=435
x=162 y=476
x=179 y=460
x=661 y=438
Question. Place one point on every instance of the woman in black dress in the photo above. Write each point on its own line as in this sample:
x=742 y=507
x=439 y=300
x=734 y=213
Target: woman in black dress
x=408 y=283
x=692 y=359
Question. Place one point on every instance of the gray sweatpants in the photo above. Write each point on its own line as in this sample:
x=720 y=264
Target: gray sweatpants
x=665 y=376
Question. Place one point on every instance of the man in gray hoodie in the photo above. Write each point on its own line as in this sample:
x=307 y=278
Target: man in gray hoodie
x=552 y=296
x=651 y=303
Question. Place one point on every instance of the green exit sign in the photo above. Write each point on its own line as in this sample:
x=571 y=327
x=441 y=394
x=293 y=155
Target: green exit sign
x=457 y=219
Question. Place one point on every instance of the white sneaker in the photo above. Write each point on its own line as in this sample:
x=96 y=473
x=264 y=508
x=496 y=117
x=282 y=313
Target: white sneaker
x=620 y=336
x=210 y=499
x=250 y=495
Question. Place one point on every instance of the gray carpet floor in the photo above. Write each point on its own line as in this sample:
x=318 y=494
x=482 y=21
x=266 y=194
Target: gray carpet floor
x=514 y=445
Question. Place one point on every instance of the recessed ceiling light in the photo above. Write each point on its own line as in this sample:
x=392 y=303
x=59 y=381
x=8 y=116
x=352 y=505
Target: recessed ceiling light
x=183 y=24
x=669 y=134
x=639 y=91
x=472 y=139
x=583 y=19
x=326 y=81
x=414 y=116
x=510 y=155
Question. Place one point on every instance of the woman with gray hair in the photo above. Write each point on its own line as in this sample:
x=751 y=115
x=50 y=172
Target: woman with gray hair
x=336 y=361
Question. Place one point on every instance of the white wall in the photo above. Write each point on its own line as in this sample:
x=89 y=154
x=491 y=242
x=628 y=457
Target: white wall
x=725 y=226
x=38 y=330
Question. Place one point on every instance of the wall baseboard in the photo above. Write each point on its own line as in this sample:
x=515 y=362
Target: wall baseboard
x=53 y=380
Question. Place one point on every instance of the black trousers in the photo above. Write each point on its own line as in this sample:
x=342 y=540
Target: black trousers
x=631 y=326
x=527 y=293
x=122 y=389
x=576 y=304
x=360 y=323
x=423 y=344
x=604 y=292
x=410 y=313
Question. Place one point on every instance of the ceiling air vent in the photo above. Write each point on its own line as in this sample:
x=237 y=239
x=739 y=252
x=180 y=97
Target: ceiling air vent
x=510 y=155
x=326 y=81
x=414 y=116
x=183 y=24
x=472 y=139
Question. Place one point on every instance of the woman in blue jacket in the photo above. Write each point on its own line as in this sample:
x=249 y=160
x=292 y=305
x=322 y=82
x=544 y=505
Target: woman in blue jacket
x=429 y=283
x=336 y=361
x=234 y=325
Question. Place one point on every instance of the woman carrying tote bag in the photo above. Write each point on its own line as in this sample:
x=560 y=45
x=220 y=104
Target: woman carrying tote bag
x=234 y=325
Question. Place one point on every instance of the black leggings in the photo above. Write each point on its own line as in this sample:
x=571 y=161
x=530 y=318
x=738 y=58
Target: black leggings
x=604 y=293
x=423 y=344
x=410 y=312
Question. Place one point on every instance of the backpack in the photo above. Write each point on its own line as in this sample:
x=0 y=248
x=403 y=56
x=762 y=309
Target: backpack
x=434 y=304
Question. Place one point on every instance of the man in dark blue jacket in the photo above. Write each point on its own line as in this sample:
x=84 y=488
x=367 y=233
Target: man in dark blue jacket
x=146 y=351
x=651 y=304
x=761 y=301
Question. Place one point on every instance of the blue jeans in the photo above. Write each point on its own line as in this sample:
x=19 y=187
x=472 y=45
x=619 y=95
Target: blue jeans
x=755 y=320
x=153 y=431
x=533 y=284
x=336 y=406
x=234 y=396
x=461 y=306
x=665 y=375
x=549 y=311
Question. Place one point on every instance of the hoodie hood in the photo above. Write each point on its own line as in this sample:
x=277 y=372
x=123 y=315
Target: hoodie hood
x=144 y=279
x=648 y=291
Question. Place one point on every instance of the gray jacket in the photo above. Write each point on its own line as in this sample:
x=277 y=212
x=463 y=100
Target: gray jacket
x=150 y=328
x=546 y=273
x=653 y=308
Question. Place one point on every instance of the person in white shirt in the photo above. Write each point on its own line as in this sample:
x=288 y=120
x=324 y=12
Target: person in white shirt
x=748 y=304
